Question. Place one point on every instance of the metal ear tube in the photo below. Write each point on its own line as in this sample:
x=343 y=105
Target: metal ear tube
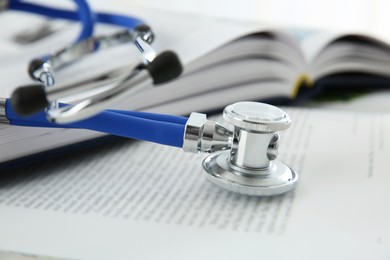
x=245 y=156
x=43 y=70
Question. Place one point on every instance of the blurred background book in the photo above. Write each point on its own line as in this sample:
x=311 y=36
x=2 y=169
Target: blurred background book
x=366 y=16
x=361 y=17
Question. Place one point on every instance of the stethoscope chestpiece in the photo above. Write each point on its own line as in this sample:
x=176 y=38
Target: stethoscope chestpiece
x=250 y=166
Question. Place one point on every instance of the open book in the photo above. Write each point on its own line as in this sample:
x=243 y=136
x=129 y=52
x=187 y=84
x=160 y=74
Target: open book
x=138 y=200
x=225 y=61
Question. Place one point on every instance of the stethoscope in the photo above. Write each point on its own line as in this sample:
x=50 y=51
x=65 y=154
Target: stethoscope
x=243 y=152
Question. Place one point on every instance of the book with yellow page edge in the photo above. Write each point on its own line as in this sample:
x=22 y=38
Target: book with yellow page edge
x=224 y=61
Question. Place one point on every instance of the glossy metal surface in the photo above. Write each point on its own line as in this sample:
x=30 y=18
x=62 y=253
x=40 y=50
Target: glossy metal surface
x=256 y=117
x=250 y=167
x=250 y=149
x=135 y=82
x=3 y=118
x=118 y=84
x=93 y=44
x=202 y=135
x=276 y=179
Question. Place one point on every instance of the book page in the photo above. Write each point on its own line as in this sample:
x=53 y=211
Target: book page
x=313 y=42
x=138 y=200
x=335 y=52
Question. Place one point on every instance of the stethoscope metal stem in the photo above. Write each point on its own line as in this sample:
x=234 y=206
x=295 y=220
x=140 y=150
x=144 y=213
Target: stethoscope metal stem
x=250 y=149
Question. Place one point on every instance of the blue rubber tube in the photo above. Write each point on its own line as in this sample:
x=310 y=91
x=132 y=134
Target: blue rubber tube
x=156 y=128
x=152 y=116
x=119 y=20
x=84 y=14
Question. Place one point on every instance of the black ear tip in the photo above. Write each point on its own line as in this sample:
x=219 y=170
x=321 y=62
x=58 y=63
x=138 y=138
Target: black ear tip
x=28 y=100
x=165 y=67
x=142 y=28
x=33 y=66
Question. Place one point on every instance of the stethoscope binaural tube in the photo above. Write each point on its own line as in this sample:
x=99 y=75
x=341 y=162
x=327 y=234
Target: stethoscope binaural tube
x=27 y=100
x=30 y=99
x=83 y=14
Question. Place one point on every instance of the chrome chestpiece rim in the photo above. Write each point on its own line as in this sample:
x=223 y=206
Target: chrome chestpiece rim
x=258 y=117
x=250 y=166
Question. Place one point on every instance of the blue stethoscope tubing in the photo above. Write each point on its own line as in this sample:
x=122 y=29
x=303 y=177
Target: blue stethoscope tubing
x=84 y=15
x=156 y=128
